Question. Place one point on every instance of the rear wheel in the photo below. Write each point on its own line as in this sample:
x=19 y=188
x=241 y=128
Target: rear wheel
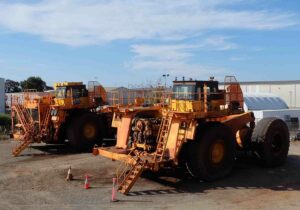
x=271 y=140
x=212 y=156
x=85 y=131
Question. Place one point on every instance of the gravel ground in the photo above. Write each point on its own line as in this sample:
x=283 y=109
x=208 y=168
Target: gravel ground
x=36 y=180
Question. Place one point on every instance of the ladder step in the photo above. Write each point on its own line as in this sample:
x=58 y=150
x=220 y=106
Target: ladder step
x=20 y=148
x=28 y=124
x=130 y=179
x=162 y=138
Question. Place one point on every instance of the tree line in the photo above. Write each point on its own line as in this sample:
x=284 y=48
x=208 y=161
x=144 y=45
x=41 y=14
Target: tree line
x=33 y=83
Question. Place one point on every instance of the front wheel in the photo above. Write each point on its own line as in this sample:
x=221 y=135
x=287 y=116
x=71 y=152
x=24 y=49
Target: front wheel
x=85 y=131
x=211 y=156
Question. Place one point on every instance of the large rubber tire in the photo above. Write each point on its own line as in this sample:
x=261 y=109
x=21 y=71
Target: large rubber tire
x=272 y=141
x=49 y=139
x=201 y=155
x=85 y=131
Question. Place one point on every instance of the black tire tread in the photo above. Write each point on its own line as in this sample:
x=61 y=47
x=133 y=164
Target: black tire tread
x=74 y=136
x=262 y=147
x=196 y=149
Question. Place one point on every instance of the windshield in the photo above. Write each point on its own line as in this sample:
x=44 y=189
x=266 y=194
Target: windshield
x=184 y=92
x=61 y=92
x=79 y=91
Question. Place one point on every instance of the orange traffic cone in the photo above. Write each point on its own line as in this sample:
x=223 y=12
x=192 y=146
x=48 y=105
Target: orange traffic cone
x=86 y=182
x=69 y=175
x=113 y=193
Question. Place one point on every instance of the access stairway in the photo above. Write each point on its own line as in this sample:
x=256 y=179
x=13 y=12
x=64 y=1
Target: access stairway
x=131 y=173
x=28 y=124
x=45 y=123
x=20 y=147
x=129 y=177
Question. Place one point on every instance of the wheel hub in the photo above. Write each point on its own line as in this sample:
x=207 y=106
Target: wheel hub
x=217 y=152
x=89 y=131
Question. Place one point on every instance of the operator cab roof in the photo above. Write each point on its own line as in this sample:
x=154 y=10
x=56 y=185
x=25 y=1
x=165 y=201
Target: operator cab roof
x=197 y=83
x=65 y=84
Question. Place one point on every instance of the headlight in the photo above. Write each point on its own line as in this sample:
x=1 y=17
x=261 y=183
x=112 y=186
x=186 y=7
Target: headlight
x=54 y=118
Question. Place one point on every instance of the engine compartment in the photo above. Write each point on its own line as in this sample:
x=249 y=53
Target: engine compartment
x=144 y=133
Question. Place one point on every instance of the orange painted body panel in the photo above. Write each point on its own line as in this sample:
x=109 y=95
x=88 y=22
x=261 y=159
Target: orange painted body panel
x=112 y=154
x=123 y=132
x=237 y=122
x=172 y=138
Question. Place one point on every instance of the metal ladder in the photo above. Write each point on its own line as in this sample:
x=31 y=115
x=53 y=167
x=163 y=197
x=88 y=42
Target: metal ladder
x=129 y=177
x=45 y=123
x=24 y=117
x=20 y=147
x=181 y=137
x=27 y=123
x=162 y=138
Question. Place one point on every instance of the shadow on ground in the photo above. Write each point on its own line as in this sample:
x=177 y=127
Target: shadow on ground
x=45 y=150
x=247 y=174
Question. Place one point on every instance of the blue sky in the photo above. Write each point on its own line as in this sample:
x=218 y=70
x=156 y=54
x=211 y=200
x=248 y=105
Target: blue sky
x=130 y=42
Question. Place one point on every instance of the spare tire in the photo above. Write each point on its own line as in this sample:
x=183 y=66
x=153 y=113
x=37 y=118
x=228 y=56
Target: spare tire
x=85 y=131
x=211 y=156
x=271 y=140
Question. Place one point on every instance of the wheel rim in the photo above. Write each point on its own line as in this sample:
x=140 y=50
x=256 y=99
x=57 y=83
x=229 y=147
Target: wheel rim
x=89 y=131
x=217 y=152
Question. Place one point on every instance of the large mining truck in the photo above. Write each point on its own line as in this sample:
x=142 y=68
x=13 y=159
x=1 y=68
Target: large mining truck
x=201 y=127
x=69 y=113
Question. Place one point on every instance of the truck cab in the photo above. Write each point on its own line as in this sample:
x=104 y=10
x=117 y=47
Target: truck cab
x=70 y=95
x=197 y=96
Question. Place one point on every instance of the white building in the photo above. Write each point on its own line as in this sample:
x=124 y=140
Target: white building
x=269 y=105
x=2 y=95
x=289 y=91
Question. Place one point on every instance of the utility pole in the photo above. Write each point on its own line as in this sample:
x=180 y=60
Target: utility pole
x=165 y=76
x=165 y=94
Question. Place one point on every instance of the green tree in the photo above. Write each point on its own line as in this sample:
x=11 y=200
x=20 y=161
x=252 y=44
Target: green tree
x=33 y=83
x=49 y=88
x=5 y=123
x=12 y=86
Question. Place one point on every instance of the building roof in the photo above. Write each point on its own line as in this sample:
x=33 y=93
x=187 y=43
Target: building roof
x=279 y=82
x=283 y=82
x=255 y=102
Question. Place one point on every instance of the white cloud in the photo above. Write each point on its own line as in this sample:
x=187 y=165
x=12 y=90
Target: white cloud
x=181 y=51
x=177 y=68
x=86 y=22
x=163 y=52
x=220 y=43
x=172 y=59
x=176 y=59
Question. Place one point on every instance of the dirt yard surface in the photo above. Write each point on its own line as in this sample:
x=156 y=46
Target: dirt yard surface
x=36 y=180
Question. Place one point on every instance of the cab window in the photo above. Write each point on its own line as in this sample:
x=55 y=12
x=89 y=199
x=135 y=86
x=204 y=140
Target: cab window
x=184 y=92
x=61 y=92
x=79 y=92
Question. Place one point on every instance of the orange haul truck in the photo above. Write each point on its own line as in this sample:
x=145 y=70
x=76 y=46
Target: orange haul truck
x=199 y=127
